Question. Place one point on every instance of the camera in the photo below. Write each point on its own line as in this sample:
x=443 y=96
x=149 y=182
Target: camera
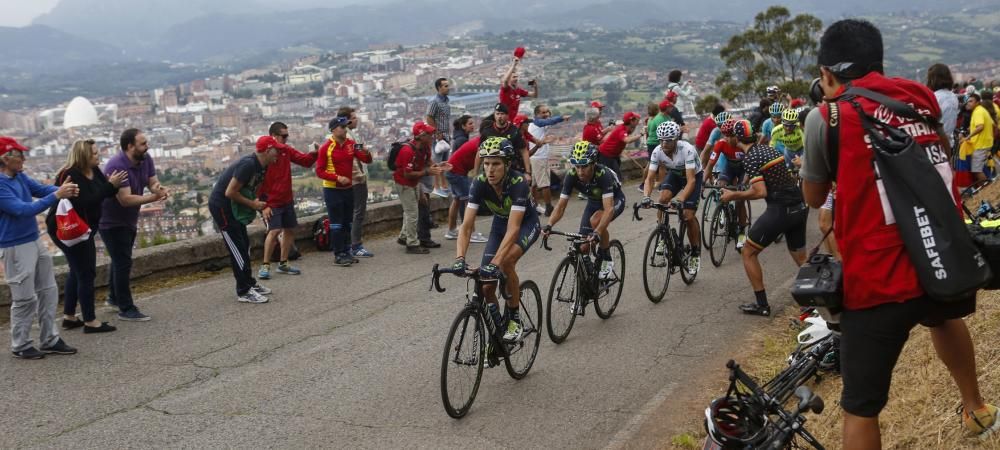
x=819 y=282
x=359 y=147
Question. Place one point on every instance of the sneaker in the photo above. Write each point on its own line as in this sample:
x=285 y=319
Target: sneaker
x=429 y=244
x=478 y=238
x=548 y=210
x=288 y=269
x=741 y=240
x=578 y=308
x=755 y=309
x=441 y=192
x=133 y=315
x=661 y=247
x=417 y=250
x=265 y=272
x=252 y=297
x=606 y=268
x=29 y=353
x=540 y=209
x=514 y=330
x=694 y=264
x=104 y=328
x=451 y=235
x=110 y=302
x=401 y=241
x=59 y=348
x=344 y=260
x=71 y=324
x=362 y=252
x=261 y=290
x=581 y=196
x=982 y=422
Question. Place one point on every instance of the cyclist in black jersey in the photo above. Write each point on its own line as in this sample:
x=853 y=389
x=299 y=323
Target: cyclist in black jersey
x=604 y=193
x=786 y=212
x=515 y=227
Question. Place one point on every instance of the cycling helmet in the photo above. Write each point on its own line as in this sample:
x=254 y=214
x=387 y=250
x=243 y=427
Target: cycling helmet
x=668 y=131
x=733 y=423
x=776 y=109
x=773 y=90
x=743 y=131
x=584 y=153
x=790 y=116
x=496 y=147
x=722 y=117
x=727 y=127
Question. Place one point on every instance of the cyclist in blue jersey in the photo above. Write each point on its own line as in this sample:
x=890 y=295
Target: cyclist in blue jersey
x=515 y=227
x=720 y=119
x=765 y=130
x=605 y=199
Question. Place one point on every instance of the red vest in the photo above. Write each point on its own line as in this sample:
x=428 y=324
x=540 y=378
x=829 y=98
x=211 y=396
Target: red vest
x=877 y=268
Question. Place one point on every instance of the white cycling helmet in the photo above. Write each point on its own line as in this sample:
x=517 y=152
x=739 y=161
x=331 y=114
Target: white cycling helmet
x=816 y=331
x=668 y=131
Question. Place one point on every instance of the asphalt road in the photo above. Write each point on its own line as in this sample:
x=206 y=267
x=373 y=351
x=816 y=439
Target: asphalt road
x=350 y=357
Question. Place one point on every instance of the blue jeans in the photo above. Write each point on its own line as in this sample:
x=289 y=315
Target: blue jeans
x=119 y=242
x=340 y=208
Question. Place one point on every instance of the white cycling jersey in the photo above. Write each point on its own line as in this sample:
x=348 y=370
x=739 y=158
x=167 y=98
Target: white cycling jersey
x=685 y=157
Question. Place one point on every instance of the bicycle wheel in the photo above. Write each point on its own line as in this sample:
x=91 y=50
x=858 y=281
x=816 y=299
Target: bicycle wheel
x=521 y=354
x=462 y=362
x=563 y=293
x=656 y=266
x=685 y=256
x=706 y=216
x=611 y=289
x=719 y=235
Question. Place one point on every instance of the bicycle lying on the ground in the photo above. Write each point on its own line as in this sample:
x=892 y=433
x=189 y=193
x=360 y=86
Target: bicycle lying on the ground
x=576 y=283
x=475 y=341
x=667 y=251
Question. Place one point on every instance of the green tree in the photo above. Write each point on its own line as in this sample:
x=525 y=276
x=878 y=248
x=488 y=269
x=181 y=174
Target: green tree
x=778 y=49
x=705 y=104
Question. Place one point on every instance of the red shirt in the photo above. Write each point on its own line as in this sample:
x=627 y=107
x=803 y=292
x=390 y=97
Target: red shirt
x=733 y=154
x=877 y=268
x=704 y=132
x=592 y=132
x=615 y=142
x=462 y=159
x=276 y=189
x=511 y=98
x=410 y=160
x=337 y=160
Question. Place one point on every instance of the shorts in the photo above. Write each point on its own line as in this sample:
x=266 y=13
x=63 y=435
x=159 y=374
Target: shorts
x=778 y=219
x=828 y=204
x=526 y=236
x=979 y=157
x=460 y=185
x=596 y=205
x=675 y=182
x=282 y=217
x=540 y=174
x=733 y=173
x=871 y=343
x=426 y=184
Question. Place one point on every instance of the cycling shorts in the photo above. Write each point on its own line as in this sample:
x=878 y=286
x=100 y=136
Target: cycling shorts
x=777 y=219
x=675 y=182
x=594 y=206
x=526 y=236
x=733 y=173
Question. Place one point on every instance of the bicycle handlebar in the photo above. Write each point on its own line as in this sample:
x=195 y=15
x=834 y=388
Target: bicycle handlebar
x=570 y=236
x=671 y=208
x=436 y=272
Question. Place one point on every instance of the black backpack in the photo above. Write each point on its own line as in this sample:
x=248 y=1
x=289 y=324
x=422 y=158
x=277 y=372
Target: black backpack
x=390 y=162
x=321 y=234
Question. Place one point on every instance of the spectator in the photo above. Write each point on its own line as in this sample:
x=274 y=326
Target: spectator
x=463 y=163
x=761 y=112
x=411 y=165
x=82 y=169
x=598 y=105
x=614 y=143
x=334 y=165
x=593 y=132
x=502 y=126
x=464 y=126
x=439 y=117
x=707 y=126
x=511 y=93
x=662 y=115
x=980 y=135
x=542 y=179
x=684 y=92
x=883 y=298
x=359 y=187
x=674 y=112
x=25 y=257
x=233 y=205
x=276 y=190
x=120 y=217
x=652 y=110
x=940 y=81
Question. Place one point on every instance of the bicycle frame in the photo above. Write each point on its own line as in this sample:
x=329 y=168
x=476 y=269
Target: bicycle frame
x=574 y=252
x=674 y=238
x=477 y=300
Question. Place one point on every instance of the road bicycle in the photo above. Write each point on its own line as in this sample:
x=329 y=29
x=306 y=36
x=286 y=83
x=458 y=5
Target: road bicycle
x=724 y=226
x=667 y=251
x=576 y=283
x=475 y=341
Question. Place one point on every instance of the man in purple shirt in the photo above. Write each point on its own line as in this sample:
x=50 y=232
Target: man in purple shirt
x=120 y=217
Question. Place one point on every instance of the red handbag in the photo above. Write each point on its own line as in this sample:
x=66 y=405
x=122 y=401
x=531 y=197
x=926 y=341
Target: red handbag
x=71 y=229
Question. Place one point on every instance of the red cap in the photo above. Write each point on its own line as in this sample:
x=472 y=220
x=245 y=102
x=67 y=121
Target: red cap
x=666 y=104
x=8 y=143
x=596 y=104
x=419 y=128
x=266 y=142
x=521 y=118
x=796 y=102
x=671 y=95
x=629 y=116
x=519 y=52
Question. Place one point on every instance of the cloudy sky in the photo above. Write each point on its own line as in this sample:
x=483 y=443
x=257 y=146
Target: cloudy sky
x=18 y=13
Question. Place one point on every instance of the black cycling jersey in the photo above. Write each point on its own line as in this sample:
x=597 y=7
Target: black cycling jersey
x=765 y=164
x=515 y=196
x=604 y=184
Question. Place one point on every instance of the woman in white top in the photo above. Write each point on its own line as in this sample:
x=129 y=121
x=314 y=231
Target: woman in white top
x=940 y=81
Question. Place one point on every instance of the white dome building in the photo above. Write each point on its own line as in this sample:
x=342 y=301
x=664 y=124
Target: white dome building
x=80 y=113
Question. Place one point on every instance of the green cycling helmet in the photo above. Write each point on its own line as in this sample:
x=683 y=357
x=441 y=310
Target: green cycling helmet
x=584 y=153
x=496 y=147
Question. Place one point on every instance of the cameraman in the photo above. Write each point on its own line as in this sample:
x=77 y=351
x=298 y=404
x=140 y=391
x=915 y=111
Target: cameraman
x=883 y=299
